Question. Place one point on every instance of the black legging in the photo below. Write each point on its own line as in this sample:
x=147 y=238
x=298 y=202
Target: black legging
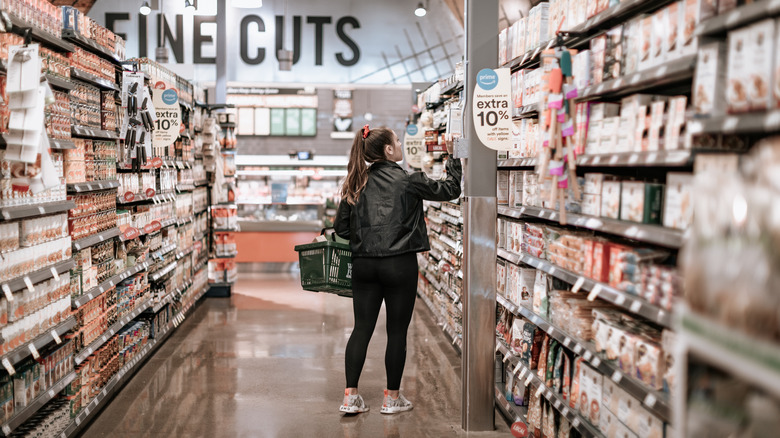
x=394 y=280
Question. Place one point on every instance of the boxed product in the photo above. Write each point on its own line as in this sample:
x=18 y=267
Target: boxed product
x=613 y=54
x=501 y=233
x=649 y=363
x=668 y=344
x=659 y=21
x=739 y=70
x=709 y=96
x=609 y=135
x=610 y=199
x=525 y=286
x=591 y=204
x=693 y=13
x=530 y=189
x=762 y=51
x=511 y=282
x=643 y=423
x=501 y=277
x=518 y=330
x=598 y=48
x=678 y=206
x=641 y=202
x=502 y=190
x=591 y=382
x=646 y=58
x=593 y=183
x=515 y=188
x=672 y=35
x=657 y=114
x=612 y=427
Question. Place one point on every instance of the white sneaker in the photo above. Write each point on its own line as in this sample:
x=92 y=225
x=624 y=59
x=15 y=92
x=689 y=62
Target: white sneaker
x=353 y=404
x=395 y=405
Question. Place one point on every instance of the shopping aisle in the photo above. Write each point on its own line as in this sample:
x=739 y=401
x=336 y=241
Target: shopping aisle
x=269 y=361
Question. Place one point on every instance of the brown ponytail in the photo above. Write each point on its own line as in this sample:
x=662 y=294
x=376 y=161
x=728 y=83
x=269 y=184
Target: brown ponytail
x=368 y=146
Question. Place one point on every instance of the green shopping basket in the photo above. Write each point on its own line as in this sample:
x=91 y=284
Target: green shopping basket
x=326 y=267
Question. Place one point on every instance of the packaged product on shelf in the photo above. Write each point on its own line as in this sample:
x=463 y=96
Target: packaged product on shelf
x=525 y=286
x=540 y=298
x=762 y=52
x=646 y=58
x=517 y=344
x=641 y=202
x=502 y=189
x=501 y=274
x=659 y=32
x=678 y=204
x=516 y=188
x=590 y=393
x=530 y=189
x=581 y=69
x=709 y=81
x=610 y=199
x=649 y=363
x=740 y=64
x=613 y=54
x=668 y=344
x=511 y=286
x=598 y=47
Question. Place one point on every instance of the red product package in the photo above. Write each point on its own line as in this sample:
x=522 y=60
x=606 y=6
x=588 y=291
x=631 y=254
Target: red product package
x=600 y=268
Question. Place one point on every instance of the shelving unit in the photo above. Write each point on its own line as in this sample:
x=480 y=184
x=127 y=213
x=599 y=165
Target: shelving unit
x=94 y=239
x=26 y=211
x=34 y=406
x=92 y=186
x=38 y=276
x=24 y=351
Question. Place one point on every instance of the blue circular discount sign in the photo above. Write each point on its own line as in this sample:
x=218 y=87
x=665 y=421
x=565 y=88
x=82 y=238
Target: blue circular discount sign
x=487 y=79
x=412 y=129
x=170 y=97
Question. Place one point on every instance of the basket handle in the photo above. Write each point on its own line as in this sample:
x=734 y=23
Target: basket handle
x=332 y=233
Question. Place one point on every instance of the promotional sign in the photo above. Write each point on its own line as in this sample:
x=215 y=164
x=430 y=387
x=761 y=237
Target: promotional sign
x=492 y=108
x=414 y=147
x=166 y=105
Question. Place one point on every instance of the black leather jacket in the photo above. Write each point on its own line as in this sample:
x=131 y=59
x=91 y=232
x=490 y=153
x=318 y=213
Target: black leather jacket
x=387 y=219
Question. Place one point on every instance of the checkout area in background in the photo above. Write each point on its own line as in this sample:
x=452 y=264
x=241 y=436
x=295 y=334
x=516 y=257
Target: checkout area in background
x=283 y=200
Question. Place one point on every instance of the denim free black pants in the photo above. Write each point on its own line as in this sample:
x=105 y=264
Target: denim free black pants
x=376 y=279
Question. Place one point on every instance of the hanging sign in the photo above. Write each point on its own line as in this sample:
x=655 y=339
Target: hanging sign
x=414 y=149
x=492 y=108
x=167 y=125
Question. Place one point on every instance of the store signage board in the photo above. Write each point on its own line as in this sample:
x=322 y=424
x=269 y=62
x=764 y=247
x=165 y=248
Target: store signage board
x=414 y=147
x=333 y=42
x=492 y=108
x=166 y=105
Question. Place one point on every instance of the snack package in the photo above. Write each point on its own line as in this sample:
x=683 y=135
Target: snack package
x=574 y=401
x=709 y=83
x=518 y=335
x=739 y=71
x=763 y=53
x=540 y=298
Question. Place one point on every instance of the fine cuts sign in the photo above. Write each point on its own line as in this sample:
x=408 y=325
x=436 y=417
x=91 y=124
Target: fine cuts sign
x=492 y=109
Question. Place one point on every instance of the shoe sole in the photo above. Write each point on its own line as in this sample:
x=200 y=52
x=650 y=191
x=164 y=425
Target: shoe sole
x=353 y=410
x=390 y=411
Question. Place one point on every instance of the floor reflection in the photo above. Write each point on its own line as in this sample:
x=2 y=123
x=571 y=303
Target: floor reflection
x=268 y=362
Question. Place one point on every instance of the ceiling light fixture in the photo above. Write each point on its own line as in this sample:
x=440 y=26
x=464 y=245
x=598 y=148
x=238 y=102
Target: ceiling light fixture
x=145 y=8
x=421 y=10
x=247 y=4
x=189 y=6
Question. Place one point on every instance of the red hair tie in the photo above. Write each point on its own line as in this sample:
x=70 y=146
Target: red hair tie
x=365 y=131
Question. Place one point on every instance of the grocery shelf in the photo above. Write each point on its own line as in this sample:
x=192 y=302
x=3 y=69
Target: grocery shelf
x=738 y=17
x=524 y=374
x=760 y=122
x=57 y=82
x=226 y=230
x=456 y=341
x=38 y=35
x=167 y=299
x=679 y=158
x=108 y=284
x=185 y=187
x=183 y=221
x=457 y=86
x=122 y=198
x=511 y=411
x=201 y=183
x=525 y=112
x=92 y=186
x=745 y=356
x=75 y=73
x=180 y=255
x=654 y=234
x=626 y=301
x=653 y=400
x=38 y=276
x=58 y=144
x=80 y=131
x=671 y=72
x=517 y=162
x=82 y=355
x=168 y=222
x=90 y=45
x=226 y=256
x=162 y=272
x=94 y=239
x=159 y=254
x=20 y=353
x=25 y=413
x=610 y=17
x=25 y=211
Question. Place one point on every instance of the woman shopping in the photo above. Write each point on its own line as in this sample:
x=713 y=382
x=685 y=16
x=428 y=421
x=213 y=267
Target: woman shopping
x=381 y=213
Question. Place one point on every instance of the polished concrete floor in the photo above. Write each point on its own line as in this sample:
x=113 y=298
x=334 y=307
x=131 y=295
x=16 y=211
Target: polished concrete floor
x=269 y=362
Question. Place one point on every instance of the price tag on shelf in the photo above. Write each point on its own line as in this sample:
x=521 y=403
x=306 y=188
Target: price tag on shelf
x=594 y=293
x=8 y=367
x=28 y=283
x=617 y=376
x=636 y=306
x=557 y=404
x=578 y=285
x=55 y=274
x=613 y=160
x=90 y=297
x=565 y=411
x=528 y=380
x=498 y=347
x=103 y=393
x=733 y=18
x=661 y=71
x=596 y=361
x=540 y=390
x=566 y=341
x=41 y=210
x=507 y=356
x=588 y=356
x=78 y=420
x=548 y=394
x=552 y=270
x=550 y=330
x=89 y=351
x=34 y=351
x=576 y=422
x=6 y=430
x=56 y=337
x=7 y=291
x=517 y=368
x=577 y=349
x=620 y=299
x=650 y=401
x=51 y=393
x=772 y=121
x=597 y=159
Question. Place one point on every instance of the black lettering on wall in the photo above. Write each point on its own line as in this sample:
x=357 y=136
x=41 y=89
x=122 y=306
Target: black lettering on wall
x=319 y=22
x=198 y=39
x=142 y=43
x=177 y=44
x=245 y=22
x=296 y=37
x=112 y=17
x=352 y=21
